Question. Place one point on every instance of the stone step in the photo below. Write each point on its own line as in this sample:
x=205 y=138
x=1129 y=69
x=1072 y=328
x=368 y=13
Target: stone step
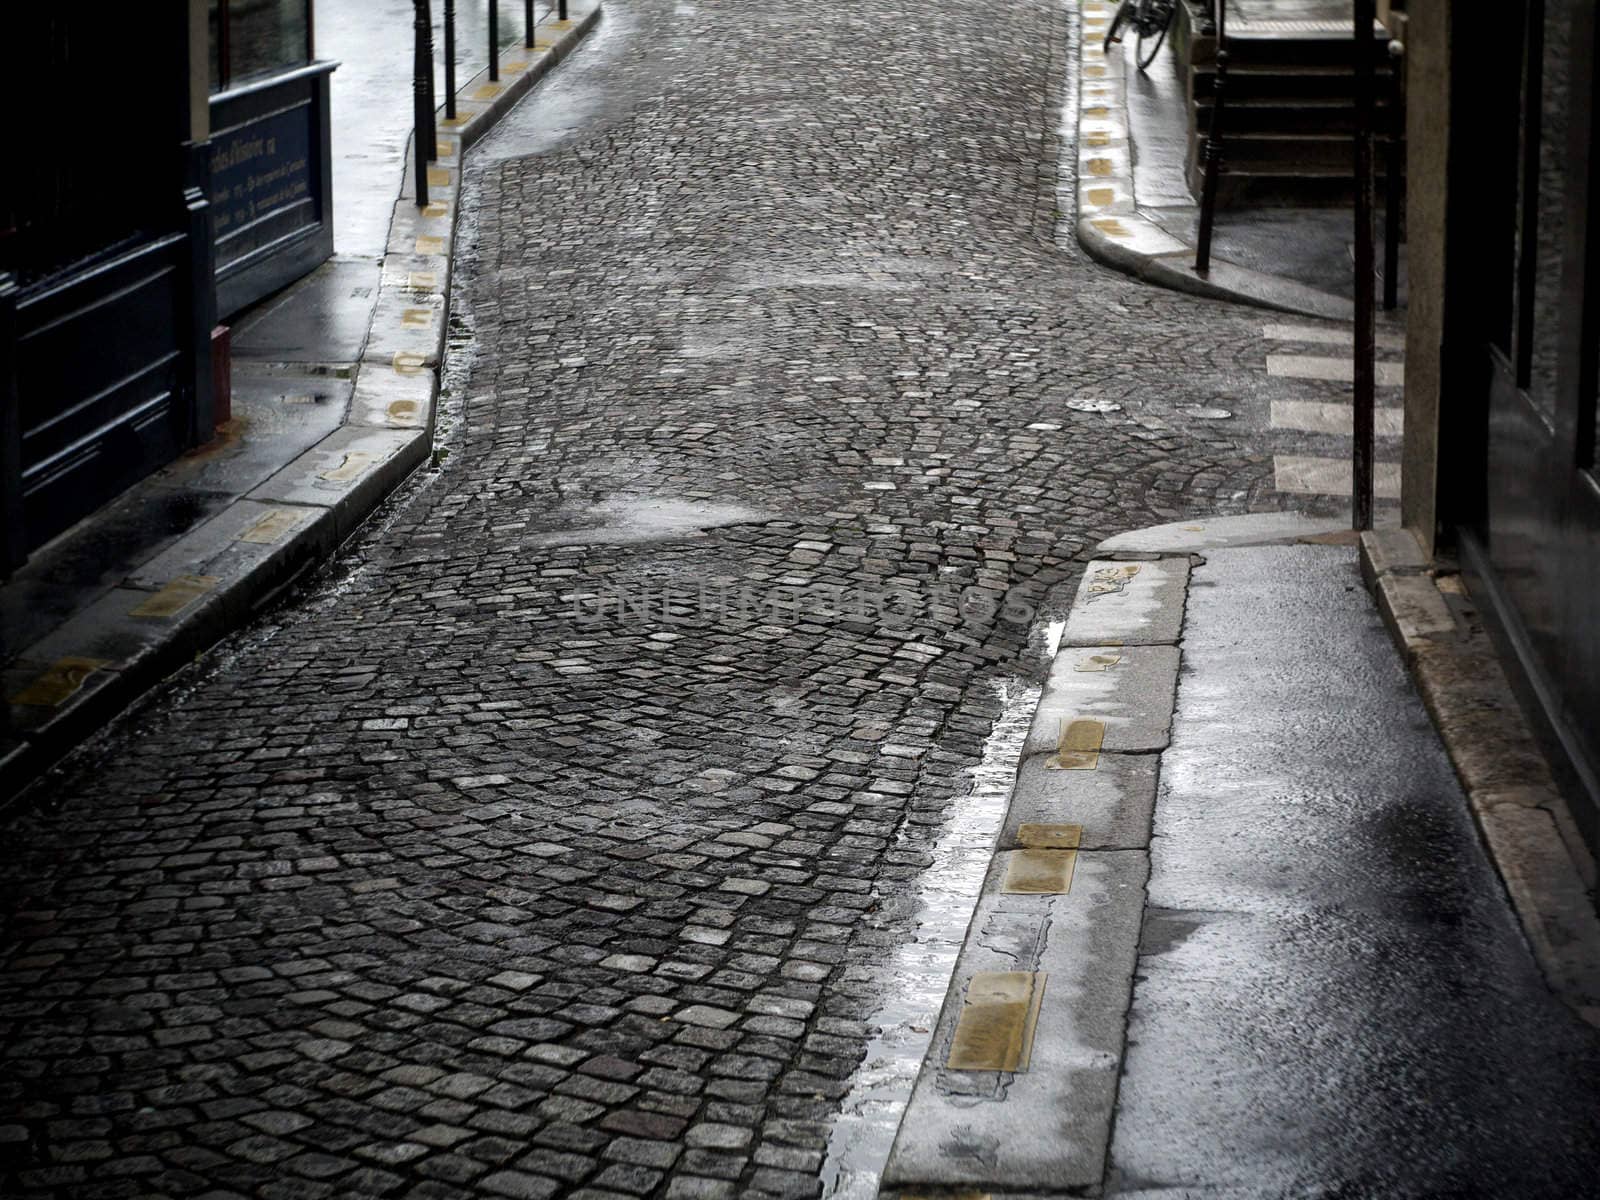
x=1255 y=184
x=1287 y=152
x=1291 y=52
x=1273 y=115
x=1284 y=83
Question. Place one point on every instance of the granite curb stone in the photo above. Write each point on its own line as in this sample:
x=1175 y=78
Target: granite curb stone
x=1524 y=821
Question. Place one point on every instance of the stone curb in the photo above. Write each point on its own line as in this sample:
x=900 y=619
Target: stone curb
x=225 y=570
x=1526 y=826
x=1046 y=1130
x=1079 y=815
x=1115 y=230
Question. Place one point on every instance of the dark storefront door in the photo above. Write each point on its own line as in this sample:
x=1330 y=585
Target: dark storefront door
x=1538 y=540
x=104 y=269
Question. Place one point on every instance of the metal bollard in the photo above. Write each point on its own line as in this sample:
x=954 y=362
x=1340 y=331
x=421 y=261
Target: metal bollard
x=419 y=94
x=1365 y=348
x=527 y=23
x=1393 y=181
x=1208 y=190
x=561 y=10
x=431 y=134
x=494 y=41
x=450 y=59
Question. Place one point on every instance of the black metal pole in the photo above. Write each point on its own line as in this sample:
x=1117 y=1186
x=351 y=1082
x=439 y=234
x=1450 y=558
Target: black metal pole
x=1393 y=180
x=494 y=41
x=450 y=59
x=432 y=132
x=1208 y=191
x=1365 y=331
x=419 y=95
x=527 y=23
x=561 y=10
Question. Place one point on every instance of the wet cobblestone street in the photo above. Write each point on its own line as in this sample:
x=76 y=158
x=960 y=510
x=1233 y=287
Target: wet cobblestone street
x=553 y=842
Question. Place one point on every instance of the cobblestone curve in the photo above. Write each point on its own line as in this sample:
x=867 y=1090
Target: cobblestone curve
x=449 y=881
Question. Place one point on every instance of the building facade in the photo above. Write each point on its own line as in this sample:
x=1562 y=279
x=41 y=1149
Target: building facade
x=1501 y=357
x=200 y=183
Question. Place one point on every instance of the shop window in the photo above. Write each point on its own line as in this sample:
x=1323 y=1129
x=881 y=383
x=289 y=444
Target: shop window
x=251 y=39
x=1549 y=235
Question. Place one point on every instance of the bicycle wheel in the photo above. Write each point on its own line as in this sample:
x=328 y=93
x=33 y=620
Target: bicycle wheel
x=1150 y=43
x=1119 y=24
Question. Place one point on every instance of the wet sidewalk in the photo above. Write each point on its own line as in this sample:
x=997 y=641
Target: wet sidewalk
x=1135 y=209
x=1241 y=936
x=333 y=382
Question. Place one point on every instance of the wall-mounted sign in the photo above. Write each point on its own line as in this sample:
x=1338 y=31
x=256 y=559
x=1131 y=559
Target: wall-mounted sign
x=270 y=183
x=261 y=182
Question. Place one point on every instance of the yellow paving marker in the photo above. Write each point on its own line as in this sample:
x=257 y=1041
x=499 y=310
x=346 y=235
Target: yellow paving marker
x=1094 y=72
x=437 y=209
x=438 y=177
x=1097 y=137
x=998 y=1016
x=460 y=119
x=61 y=680
x=430 y=245
x=175 y=597
x=1078 y=747
x=422 y=281
x=1098 y=662
x=445 y=149
x=1102 y=196
x=1097 y=111
x=1097 y=166
x=416 y=318
x=402 y=411
x=1050 y=837
x=407 y=362
x=299 y=399
x=271 y=527
x=354 y=466
x=1039 y=872
x=488 y=91
x=1110 y=226
x=561 y=25
x=512 y=68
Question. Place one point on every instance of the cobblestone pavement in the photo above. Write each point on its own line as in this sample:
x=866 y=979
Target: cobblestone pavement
x=441 y=882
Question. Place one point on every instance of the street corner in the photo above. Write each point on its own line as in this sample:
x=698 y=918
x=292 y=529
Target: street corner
x=1127 y=604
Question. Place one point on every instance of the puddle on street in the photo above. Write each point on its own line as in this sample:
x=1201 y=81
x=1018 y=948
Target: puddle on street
x=645 y=519
x=917 y=974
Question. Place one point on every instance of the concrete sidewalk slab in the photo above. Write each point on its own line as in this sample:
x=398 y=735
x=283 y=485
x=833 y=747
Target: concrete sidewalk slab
x=1332 y=989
